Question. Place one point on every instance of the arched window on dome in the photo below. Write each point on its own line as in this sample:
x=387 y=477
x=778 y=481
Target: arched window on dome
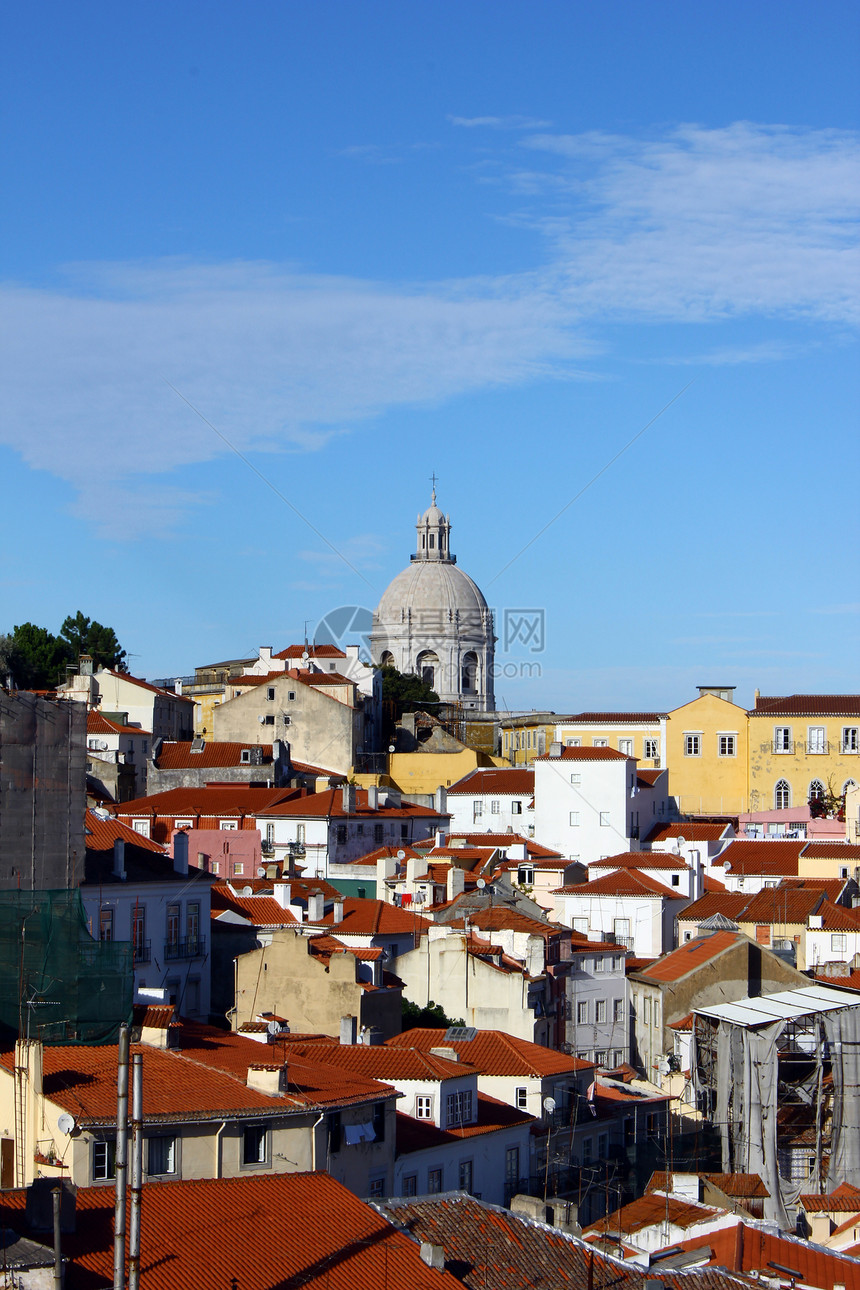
x=424 y=539
x=469 y=673
x=432 y=541
x=427 y=664
x=782 y=795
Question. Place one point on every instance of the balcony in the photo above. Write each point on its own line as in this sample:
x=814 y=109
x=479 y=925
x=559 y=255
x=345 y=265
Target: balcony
x=142 y=952
x=193 y=947
x=780 y=746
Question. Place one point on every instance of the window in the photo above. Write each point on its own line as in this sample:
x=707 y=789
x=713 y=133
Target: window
x=423 y=1108
x=576 y=780
x=494 y=807
x=587 y=1149
x=617 y=964
x=138 y=931
x=269 y=719
x=379 y=1121
x=434 y=1181
x=617 y=1009
x=340 y=834
x=604 y=819
x=580 y=925
x=816 y=791
x=525 y=874
x=838 y=943
x=230 y=825
x=410 y=1185
x=782 y=795
x=816 y=740
x=676 y=880
x=522 y=1097
x=300 y=834
x=512 y=1167
x=574 y=819
x=782 y=739
x=626 y=746
x=850 y=739
x=582 y=1012
x=464 y=1176
x=727 y=745
x=291 y=695
x=377 y=1187
x=762 y=934
x=141 y=827
x=238 y=868
x=104 y=1160
x=359 y=829
x=477 y=810
x=600 y=1012
x=600 y=1057
x=270 y=692
x=173 y=926
x=599 y=963
x=192 y=926
x=621 y=928
x=255 y=1143
x=600 y=743
x=516 y=808
x=459 y=1107
x=602 y=1146
x=651 y=749
x=377 y=832
x=573 y=743
x=617 y=1056
x=692 y=745
x=161 y=1155
x=646 y=1010
x=335 y=1132
x=105 y=923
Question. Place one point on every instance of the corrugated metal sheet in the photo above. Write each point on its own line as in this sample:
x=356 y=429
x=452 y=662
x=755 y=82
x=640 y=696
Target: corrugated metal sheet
x=781 y=1006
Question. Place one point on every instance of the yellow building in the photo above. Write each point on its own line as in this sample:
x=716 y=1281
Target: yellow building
x=802 y=746
x=706 y=753
x=636 y=734
x=524 y=737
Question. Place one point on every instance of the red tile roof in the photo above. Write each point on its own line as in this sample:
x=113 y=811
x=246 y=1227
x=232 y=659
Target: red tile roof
x=504 y=840
x=99 y=725
x=653 y=1209
x=641 y=860
x=329 y=805
x=101 y=835
x=501 y=918
x=845 y=851
x=844 y=1199
x=387 y=853
x=374 y=918
x=496 y=779
x=744 y=1185
x=729 y=903
x=379 y=1061
x=690 y=830
x=622 y=882
x=262 y=911
x=177 y=755
x=690 y=956
x=754 y=1250
x=756 y=856
x=585 y=754
x=807 y=705
x=648 y=778
x=258 y=1232
x=781 y=905
x=236 y=800
x=312 y=651
x=495 y=1053
x=611 y=718
x=838 y=918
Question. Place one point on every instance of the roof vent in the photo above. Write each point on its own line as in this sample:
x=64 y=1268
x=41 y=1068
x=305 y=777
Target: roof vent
x=198 y=744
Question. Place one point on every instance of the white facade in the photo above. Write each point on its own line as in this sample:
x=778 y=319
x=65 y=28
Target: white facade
x=433 y=621
x=587 y=807
x=643 y=923
x=161 y=713
x=493 y=812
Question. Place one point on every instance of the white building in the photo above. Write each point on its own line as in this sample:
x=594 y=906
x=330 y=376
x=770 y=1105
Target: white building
x=625 y=906
x=592 y=802
x=494 y=799
x=433 y=621
x=131 y=701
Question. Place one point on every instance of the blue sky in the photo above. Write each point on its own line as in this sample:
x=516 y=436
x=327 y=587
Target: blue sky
x=366 y=242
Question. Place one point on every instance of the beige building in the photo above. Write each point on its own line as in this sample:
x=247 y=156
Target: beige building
x=313 y=982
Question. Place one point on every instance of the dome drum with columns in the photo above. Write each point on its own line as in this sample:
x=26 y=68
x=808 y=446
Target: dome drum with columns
x=433 y=621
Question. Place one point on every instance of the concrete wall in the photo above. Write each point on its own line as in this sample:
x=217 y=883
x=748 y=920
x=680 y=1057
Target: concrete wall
x=42 y=792
x=320 y=729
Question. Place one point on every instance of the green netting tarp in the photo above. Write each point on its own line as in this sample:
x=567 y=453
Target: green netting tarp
x=56 y=983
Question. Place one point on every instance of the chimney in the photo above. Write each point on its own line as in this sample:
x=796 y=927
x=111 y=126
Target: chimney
x=268 y=1079
x=338 y=909
x=433 y=1255
x=373 y=797
x=413 y=866
x=316 y=907
x=266 y=656
x=440 y=838
x=180 y=851
x=555 y=750
x=281 y=891
x=349 y=798
x=371 y=1036
x=455 y=882
x=348 y=1030
x=441 y=800
x=85 y=665
x=386 y=867
x=119 y=858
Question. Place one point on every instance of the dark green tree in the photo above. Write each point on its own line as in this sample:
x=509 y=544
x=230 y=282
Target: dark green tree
x=83 y=636
x=406 y=692
x=430 y=1018
x=36 y=658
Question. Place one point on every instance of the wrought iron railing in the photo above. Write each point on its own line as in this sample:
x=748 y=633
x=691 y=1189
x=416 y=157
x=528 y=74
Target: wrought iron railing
x=192 y=947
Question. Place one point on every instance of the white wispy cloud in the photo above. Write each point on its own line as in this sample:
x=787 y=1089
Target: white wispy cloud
x=499 y=122
x=744 y=222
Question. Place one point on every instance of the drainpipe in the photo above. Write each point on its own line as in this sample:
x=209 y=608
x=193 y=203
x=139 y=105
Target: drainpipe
x=121 y=1159
x=314 y=1128
x=218 y=1149
x=56 y=1196
x=136 y=1171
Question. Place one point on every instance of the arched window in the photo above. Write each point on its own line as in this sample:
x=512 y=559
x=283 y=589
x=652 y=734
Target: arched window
x=847 y=786
x=432 y=541
x=387 y=659
x=427 y=664
x=816 y=791
x=469 y=673
x=782 y=795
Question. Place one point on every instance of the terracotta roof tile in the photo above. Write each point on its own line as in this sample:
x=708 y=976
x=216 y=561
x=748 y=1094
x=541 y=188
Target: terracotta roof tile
x=622 y=882
x=504 y=840
x=384 y=1062
x=495 y=1053
x=690 y=956
x=781 y=905
x=374 y=918
x=312 y=651
x=641 y=860
x=101 y=835
x=845 y=851
x=177 y=755
x=844 y=1199
x=729 y=903
x=807 y=705
x=240 y=799
x=757 y=856
x=496 y=779
x=260 y=1232
x=690 y=830
x=262 y=911
x=652 y=1209
x=100 y=725
x=493 y=1115
x=611 y=718
x=586 y=754
x=329 y=804
x=758 y=1250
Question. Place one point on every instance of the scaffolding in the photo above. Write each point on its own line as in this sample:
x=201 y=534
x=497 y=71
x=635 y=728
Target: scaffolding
x=56 y=983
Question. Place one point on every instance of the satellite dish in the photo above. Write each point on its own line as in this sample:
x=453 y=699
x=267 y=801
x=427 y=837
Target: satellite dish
x=401 y=854
x=247 y=891
x=273 y=1028
x=482 y=882
x=549 y=1104
x=261 y=872
x=391 y=747
x=681 y=841
x=66 y=1123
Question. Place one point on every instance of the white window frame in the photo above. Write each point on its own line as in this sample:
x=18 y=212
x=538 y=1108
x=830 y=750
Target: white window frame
x=781 y=789
x=816 y=740
x=782 y=740
x=521 y=1097
x=692 y=743
x=574 y=819
x=424 y=1107
x=651 y=749
x=600 y=743
x=727 y=743
x=626 y=746
x=851 y=739
x=604 y=820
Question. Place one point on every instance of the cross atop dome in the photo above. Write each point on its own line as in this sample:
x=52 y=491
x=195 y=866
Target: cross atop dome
x=433 y=479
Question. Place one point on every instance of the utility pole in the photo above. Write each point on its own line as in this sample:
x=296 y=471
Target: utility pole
x=121 y=1159
x=136 y=1171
